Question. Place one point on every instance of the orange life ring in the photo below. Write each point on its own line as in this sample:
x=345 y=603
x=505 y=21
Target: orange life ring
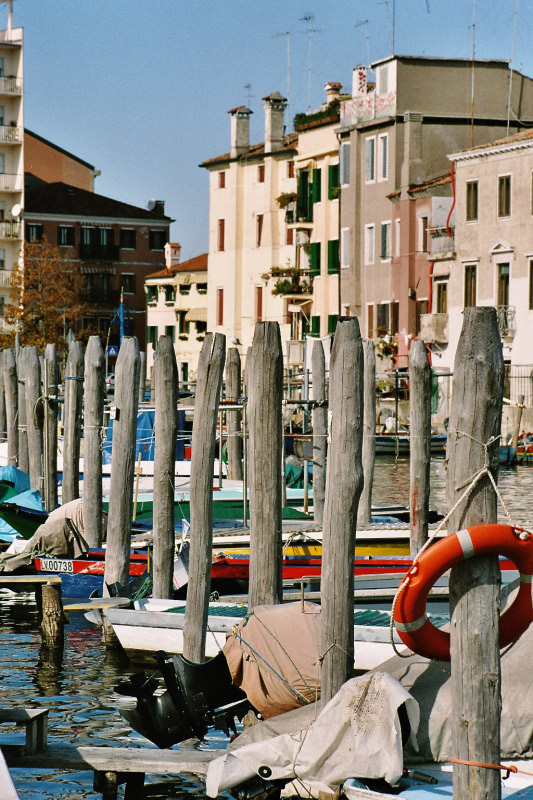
x=410 y=617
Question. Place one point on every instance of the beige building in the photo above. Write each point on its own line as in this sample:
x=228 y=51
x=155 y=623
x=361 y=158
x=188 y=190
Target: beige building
x=176 y=299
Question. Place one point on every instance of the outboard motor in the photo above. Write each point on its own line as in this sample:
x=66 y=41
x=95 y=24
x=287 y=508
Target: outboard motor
x=197 y=696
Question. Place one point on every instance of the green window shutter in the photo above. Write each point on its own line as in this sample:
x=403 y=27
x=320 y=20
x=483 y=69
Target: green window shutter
x=303 y=180
x=333 y=257
x=332 y=322
x=315 y=326
x=317 y=185
x=315 y=259
x=333 y=181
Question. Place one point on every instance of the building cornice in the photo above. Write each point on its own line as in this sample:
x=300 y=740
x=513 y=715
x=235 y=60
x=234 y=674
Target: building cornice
x=83 y=219
x=471 y=155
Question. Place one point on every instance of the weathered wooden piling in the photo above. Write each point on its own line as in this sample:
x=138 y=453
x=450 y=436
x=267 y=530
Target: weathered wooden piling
x=165 y=377
x=3 y=422
x=320 y=430
x=264 y=370
x=52 y=624
x=94 y=394
x=51 y=390
x=11 y=390
x=209 y=381
x=117 y=561
x=233 y=393
x=142 y=376
x=420 y=442
x=24 y=464
x=364 y=513
x=344 y=483
x=475 y=418
x=517 y=420
x=73 y=394
x=34 y=417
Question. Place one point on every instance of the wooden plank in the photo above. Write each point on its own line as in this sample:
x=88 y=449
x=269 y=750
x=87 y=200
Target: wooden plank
x=233 y=393
x=73 y=394
x=51 y=389
x=420 y=441
x=364 y=513
x=24 y=463
x=98 y=602
x=94 y=394
x=6 y=580
x=11 y=390
x=475 y=417
x=344 y=483
x=320 y=430
x=34 y=421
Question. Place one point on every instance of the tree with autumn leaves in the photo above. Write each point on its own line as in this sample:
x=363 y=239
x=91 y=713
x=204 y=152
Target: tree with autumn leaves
x=47 y=298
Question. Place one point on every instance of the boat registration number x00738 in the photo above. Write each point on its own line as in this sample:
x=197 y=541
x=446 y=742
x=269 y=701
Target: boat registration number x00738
x=56 y=565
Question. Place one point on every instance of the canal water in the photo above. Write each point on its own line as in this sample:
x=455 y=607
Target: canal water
x=77 y=684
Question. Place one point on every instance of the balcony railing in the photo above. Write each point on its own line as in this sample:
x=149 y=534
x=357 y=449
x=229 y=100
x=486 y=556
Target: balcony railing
x=99 y=297
x=6 y=278
x=10 y=230
x=11 y=134
x=440 y=241
x=12 y=36
x=10 y=85
x=10 y=182
x=103 y=252
x=506 y=320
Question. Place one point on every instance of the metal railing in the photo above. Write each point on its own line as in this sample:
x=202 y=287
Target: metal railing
x=440 y=241
x=11 y=134
x=10 y=182
x=6 y=277
x=10 y=85
x=10 y=230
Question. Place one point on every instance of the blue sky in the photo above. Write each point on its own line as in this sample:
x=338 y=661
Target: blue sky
x=141 y=88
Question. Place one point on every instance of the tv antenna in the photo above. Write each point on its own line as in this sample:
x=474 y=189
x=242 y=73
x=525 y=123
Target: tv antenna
x=288 y=35
x=359 y=25
x=309 y=17
x=249 y=95
x=389 y=26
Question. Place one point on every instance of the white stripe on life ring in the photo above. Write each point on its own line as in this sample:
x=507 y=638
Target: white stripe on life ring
x=465 y=540
x=411 y=626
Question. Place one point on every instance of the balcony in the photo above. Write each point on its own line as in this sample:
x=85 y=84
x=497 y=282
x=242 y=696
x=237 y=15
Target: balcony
x=292 y=282
x=11 y=36
x=99 y=252
x=11 y=182
x=99 y=297
x=434 y=328
x=10 y=86
x=297 y=217
x=506 y=321
x=11 y=134
x=441 y=243
x=6 y=278
x=10 y=230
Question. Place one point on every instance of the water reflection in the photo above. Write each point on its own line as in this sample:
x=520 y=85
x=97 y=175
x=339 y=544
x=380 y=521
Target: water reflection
x=48 y=672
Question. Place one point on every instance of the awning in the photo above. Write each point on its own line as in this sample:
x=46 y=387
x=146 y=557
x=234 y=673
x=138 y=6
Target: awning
x=196 y=315
x=97 y=269
x=187 y=280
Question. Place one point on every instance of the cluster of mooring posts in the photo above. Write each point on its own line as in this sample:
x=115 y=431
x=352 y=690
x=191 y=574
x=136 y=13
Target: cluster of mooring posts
x=344 y=420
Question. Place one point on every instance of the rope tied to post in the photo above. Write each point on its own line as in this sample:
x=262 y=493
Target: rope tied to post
x=507 y=768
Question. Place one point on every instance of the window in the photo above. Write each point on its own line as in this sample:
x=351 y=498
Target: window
x=385 y=241
x=394 y=317
x=220 y=306
x=261 y=173
x=421 y=308
x=370 y=159
x=201 y=326
x=2 y=72
x=290 y=169
x=531 y=285
x=185 y=288
x=315 y=258
x=152 y=335
x=317 y=185
x=105 y=236
x=332 y=322
x=127 y=238
x=259 y=230
x=470 y=285
x=34 y=233
x=345 y=247
x=333 y=256
x=183 y=327
x=315 y=325
x=201 y=288
x=383 y=318
x=170 y=330
x=370 y=321
x=170 y=294
x=504 y=196
x=127 y=282
x=222 y=180
x=304 y=202
x=369 y=244
x=383 y=80
x=151 y=295
x=289 y=235
x=88 y=236
x=442 y=296
x=531 y=191
x=65 y=235
x=259 y=304
x=345 y=163
x=503 y=284
x=423 y=241
x=383 y=154
x=2 y=259
x=221 y=235
x=157 y=240
x=333 y=181
x=397 y=239
x=471 y=201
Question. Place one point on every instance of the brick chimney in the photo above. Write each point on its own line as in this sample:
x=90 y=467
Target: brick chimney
x=240 y=130
x=359 y=81
x=274 y=105
x=172 y=254
x=333 y=91
x=412 y=172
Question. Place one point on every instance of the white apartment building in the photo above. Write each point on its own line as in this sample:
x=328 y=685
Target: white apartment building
x=11 y=152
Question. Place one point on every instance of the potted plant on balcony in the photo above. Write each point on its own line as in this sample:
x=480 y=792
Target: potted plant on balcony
x=386 y=346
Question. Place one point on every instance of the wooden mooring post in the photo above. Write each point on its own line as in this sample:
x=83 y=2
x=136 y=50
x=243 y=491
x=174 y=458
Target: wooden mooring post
x=51 y=388
x=34 y=417
x=72 y=409
x=24 y=463
x=209 y=382
x=233 y=394
x=264 y=375
x=165 y=377
x=117 y=560
x=94 y=394
x=320 y=430
x=11 y=390
x=344 y=482
x=475 y=418
x=420 y=442
x=364 y=513
x=52 y=623
x=142 y=376
x=3 y=422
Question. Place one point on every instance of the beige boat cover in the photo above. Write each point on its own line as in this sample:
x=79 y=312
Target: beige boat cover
x=275 y=641
x=431 y=687
x=356 y=734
